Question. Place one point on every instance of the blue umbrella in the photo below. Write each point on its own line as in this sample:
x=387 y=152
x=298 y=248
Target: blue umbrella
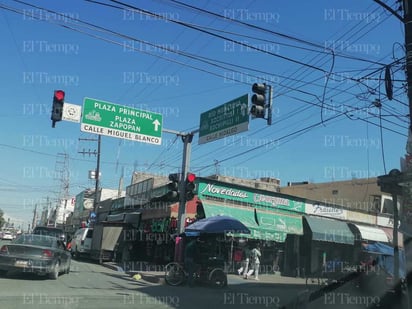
x=217 y=225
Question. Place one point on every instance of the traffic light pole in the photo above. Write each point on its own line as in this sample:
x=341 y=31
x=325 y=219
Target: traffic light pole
x=187 y=148
x=269 y=118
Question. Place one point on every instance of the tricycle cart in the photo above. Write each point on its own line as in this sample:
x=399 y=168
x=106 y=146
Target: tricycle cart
x=210 y=268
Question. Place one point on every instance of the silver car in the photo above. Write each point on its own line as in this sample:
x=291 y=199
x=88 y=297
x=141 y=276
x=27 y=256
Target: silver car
x=29 y=253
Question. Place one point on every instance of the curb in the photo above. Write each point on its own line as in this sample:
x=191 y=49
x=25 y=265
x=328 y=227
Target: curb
x=113 y=267
x=157 y=279
x=152 y=278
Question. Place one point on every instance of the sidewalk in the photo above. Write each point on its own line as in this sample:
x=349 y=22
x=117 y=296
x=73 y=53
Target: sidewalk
x=157 y=277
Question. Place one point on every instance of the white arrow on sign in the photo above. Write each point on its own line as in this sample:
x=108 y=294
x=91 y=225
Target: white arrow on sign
x=156 y=124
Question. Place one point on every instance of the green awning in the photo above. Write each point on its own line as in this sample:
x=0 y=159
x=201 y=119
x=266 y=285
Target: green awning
x=272 y=226
x=330 y=230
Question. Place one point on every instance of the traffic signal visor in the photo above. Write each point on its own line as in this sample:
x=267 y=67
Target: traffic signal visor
x=59 y=95
x=191 y=177
x=173 y=186
x=190 y=186
x=57 y=108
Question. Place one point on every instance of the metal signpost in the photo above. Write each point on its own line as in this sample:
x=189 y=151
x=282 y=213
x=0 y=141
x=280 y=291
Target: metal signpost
x=119 y=121
x=225 y=120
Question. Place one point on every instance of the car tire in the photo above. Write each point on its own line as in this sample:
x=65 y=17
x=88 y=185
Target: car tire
x=55 y=273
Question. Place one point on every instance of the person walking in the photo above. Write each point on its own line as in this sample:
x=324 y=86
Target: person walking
x=255 y=255
x=245 y=261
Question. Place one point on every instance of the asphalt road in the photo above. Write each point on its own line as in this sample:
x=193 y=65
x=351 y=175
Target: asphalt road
x=90 y=285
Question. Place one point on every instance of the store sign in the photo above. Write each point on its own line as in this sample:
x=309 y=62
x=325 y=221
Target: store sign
x=159 y=225
x=385 y=221
x=267 y=236
x=324 y=210
x=213 y=190
x=356 y=216
x=162 y=225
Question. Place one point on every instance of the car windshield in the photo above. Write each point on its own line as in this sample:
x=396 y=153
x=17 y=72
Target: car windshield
x=275 y=134
x=49 y=232
x=35 y=240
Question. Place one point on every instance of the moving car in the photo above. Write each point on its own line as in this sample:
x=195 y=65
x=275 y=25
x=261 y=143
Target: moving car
x=43 y=255
x=82 y=242
x=7 y=236
x=50 y=231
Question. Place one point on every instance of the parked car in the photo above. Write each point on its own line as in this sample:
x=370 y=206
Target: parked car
x=50 y=231
x=82 y=242
x=43 y=255
x=7 y=236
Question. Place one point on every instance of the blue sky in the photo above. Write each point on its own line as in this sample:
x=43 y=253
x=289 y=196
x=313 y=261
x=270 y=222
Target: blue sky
x=187 y=61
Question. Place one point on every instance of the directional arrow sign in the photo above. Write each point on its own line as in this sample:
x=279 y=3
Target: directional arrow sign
x=119 y=121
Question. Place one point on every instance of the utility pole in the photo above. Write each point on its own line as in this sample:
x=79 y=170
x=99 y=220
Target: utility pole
x=406 y=215
x=34 y=216
x=407 y=20
x=395 y=237
x=405 y=179
x=62 y=175
x=97 y=171
x=96 y=188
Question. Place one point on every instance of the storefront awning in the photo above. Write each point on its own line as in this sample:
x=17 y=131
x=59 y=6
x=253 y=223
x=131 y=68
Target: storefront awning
x=330 y=230
x=371 y=233
x=110 y=237
x=263 y=224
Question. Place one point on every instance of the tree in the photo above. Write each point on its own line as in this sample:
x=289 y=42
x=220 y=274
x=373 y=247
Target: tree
x=2 y=220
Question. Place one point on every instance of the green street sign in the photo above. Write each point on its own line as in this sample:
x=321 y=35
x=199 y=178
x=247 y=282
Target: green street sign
x=119 y=121
x=225 y=120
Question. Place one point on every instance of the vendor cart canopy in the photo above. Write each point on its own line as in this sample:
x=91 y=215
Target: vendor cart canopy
x=379 y=248
x=217 y=225
x=385 y=257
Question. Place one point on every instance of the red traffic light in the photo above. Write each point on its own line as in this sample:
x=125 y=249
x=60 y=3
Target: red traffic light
x=59 y=95
x=191 y=177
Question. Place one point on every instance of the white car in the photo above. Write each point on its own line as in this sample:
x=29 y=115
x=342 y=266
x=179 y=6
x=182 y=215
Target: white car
x=82 y=242
x=7 y=236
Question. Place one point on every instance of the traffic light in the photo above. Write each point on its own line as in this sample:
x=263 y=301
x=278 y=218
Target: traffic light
x=190 y=186
x=258 y=100
x=57 y=109
x=390 y=183
x=262 y=101
x=173 y=187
